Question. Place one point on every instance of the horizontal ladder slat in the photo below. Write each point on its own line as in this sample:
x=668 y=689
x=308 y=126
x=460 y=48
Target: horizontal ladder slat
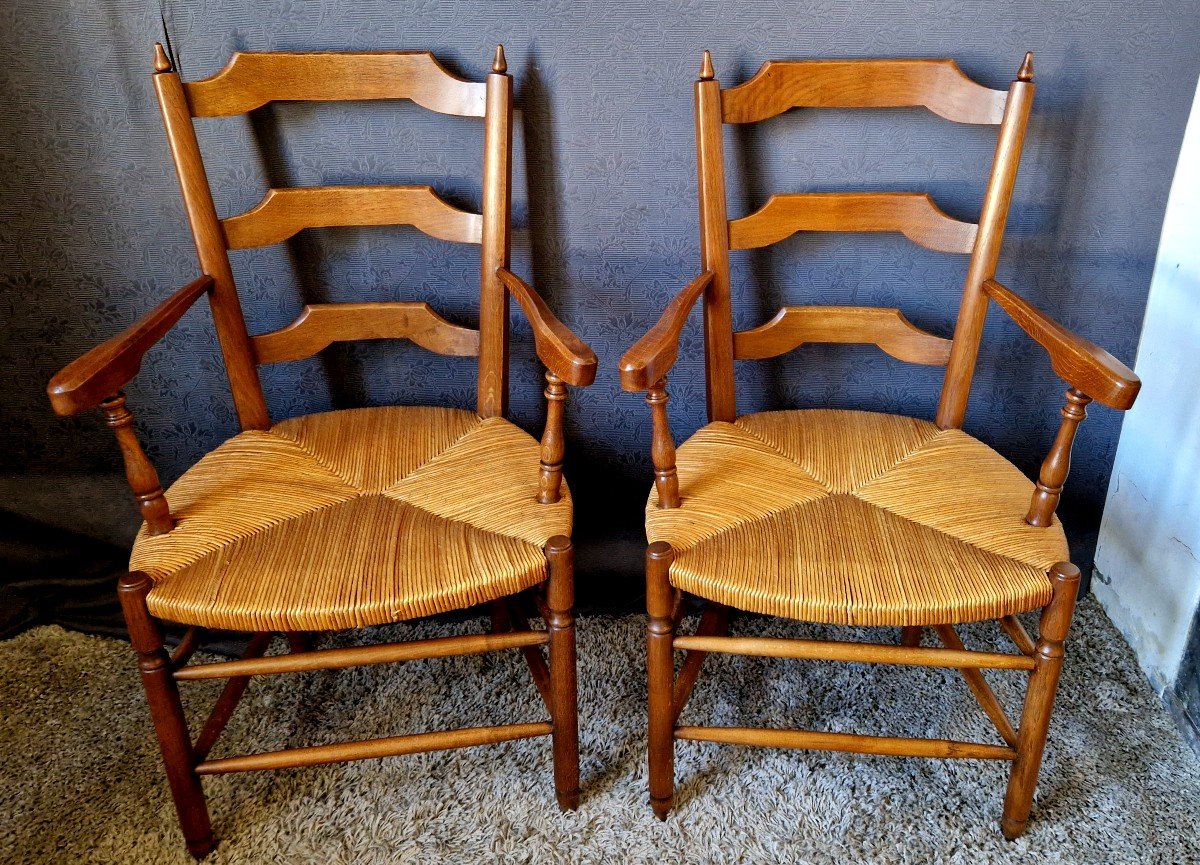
x=886 y=328
x=913 y=214
x=322 y=324
x=391 y=746
x=853 y=743
x=251 y=80
x=937 y=84
x=861 y=653
x=358 y=656
x=284 y=212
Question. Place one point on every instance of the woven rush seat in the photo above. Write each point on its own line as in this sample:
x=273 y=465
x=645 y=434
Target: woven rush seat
x=352 y=518
x=854 y=518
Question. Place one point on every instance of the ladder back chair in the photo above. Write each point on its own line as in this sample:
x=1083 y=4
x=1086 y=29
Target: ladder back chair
x=844 y=517
x=351 y=518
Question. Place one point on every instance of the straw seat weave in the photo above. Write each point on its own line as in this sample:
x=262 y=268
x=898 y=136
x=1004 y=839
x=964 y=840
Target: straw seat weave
x=352 y=518
x=854 y=518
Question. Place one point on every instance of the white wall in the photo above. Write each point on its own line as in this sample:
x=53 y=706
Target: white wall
x=1148 y=556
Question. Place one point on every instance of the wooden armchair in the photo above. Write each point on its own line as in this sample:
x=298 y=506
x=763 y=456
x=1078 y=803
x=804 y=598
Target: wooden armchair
x=857 y=518
x=349 y=518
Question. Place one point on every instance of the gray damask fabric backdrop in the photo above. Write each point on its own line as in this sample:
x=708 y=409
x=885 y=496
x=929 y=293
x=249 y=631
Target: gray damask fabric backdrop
x=93 y=232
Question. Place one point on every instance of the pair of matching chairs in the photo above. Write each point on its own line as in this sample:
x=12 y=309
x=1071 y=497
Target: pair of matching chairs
x=363 y=517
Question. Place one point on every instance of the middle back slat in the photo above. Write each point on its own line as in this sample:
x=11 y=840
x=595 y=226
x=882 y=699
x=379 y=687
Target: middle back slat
x=284 y=212
x=913 y=214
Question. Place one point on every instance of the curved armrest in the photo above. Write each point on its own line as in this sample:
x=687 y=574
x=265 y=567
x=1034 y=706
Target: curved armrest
x=86 y=382
x=563 y=353
x=652 y=356
x=1080 y=363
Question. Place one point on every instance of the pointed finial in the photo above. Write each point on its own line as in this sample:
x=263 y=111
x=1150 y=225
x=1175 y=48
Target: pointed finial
x=706 y=68
x=499 y=64
x=1025 y=73
x=162 y=63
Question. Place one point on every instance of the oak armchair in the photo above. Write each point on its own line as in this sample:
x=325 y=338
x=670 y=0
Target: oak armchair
x=349 y=518
x=847 y=517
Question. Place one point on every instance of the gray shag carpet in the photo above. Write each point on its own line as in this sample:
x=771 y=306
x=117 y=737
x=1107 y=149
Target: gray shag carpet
x=81 y=780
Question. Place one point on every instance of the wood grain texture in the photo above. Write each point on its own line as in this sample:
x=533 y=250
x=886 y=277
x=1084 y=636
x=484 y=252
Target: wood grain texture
x=793 y=326
x=560 y=628
x=361 y=656
x=913 y=214
x=858 y=653
x=251 y=80
x=1057 y=464
x=938 y=84
x=651 y=357
x=1077 y=361
x=166 y=712
x=491 y=394
x=848 y=742
x=563 y=353
x=321 y=325
x=554 y=441
x=979 y=687
x=212 y=253
x=968 y=329
x=284 y=212
x=391 y=746
x=87 y=381
x=660 y=629
x=1039 y=699
x=227 y=700
x=720 y=393
x=139 y=471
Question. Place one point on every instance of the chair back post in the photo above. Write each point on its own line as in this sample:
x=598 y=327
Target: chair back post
x=211 y=249
x=968 y=330
x=492 y=393
x=714 y=247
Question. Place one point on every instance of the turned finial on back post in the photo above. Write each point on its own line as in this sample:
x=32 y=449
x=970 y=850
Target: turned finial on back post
x=706 y=68
x=162 y=63
x=1025 y=73
x=499 y=64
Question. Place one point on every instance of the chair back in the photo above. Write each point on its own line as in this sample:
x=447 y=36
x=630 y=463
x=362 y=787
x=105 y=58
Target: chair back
x=252 y=80
x=938 y=85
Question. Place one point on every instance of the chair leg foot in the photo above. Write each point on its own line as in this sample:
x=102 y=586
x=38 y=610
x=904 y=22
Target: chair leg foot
x=660 y=665
x=1039 y=699
x=166 y=711
x=560 y=599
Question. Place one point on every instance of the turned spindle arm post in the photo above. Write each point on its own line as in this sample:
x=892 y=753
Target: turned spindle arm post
x=644 y=368
x=1058 y=461
x=554 y=444
x=143 y=479
x=662 y=446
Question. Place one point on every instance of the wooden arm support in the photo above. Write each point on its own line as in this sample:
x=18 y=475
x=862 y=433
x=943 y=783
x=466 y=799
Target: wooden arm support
x=103 y=371
x=143 y=479
x=1085 y=366
x=96 y=379
x=647 y=363
x=563 y=353
x=1091 y=372
x=568 y=360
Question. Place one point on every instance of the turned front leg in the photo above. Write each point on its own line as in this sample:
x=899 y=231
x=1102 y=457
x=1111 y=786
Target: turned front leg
x=143 y=479
x=1058 y=461
x=662 y=447
x=554 y=445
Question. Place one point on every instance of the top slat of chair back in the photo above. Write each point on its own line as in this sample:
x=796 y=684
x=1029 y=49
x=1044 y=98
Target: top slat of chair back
x=938 y=85
x=251 y=80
